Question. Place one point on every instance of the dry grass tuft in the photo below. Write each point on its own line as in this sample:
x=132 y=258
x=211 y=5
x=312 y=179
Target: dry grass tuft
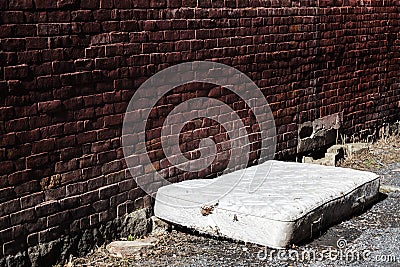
x=380 y=154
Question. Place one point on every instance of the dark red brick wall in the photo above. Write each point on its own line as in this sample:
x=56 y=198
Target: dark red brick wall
x=68 y=69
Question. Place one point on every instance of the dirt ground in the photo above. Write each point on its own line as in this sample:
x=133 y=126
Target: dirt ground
x=373 y=236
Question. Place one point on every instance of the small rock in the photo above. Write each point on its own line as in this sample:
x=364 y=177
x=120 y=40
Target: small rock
x=126 y=249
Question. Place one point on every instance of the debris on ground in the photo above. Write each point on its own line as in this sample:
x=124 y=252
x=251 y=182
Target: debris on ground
x=379 y=155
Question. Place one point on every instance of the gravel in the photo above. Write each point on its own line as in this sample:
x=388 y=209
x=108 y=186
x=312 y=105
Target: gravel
x=368 y=239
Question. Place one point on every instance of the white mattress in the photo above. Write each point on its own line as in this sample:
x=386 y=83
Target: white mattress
x=273 y=204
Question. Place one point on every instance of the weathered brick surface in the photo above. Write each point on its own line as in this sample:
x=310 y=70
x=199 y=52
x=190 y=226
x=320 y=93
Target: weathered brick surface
x=69 y=68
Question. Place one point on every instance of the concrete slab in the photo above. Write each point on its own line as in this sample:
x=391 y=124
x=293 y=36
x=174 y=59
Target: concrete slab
x=293 y=201
x=337 y=152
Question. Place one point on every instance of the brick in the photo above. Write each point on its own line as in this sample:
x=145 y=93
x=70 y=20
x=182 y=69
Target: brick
x=70 y=153
x=66 y=141
x=86 y=137
x=141 y=4
x=58 y=16
x=37 y=122
x=55 y=193
x=107 y=156
x=120 y=49
x=37 y=160
x=37 y=226
x=58 y=218
x=44 y=4
x=20 y=4
x=123 y=4
x=17 y=125
x=49 y=29
x=76 y=188
x=32 y=200
x=158 y=3
x=2 y=154
x=14 y=44
x=27 y=215
x=15 y=86
x=92 y=28
x=81 y=212
x=90 y=4
x=76 y=78
x=6 y=30
x=67 y=3
x=5 y=222
x=91 y=172
x=82 y=15
x=32 y=239
x=70 y=165
x=110 y=167
x=70 y=177
x=60 y=41
x=113 y=120
x=47 y=82
x=100 y=39
x=50 y=234
x=35 y=17
x=16 y=72
x=106 y=63
x=49 y=106
x=100 y=146
x=52 y=131
x=108 y=191
x=27 y=188
x=7 y=234
x=87 y=161
x=19 y=151
x=12 y=17
x=107 y=4
x=75 y=103
x=6 y=167
x=174 y=3
x=89 y=197
x=84 y=64
x=26 y=111
x=48 y=207
x=128 y=26
x=29 y=57
x=7 y=194
x=101 y=205
x=45 y=145
x=7 y=140
x=60 y=67
x=25 y=30
x=96 y=183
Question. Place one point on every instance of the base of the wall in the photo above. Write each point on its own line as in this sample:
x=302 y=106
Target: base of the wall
x=137 y=223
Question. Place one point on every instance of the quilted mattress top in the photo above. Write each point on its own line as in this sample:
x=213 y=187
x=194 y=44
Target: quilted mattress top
x=281 y=191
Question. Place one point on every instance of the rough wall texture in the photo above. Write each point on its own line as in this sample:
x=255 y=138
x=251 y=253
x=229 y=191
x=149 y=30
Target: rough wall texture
x=68 y=69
